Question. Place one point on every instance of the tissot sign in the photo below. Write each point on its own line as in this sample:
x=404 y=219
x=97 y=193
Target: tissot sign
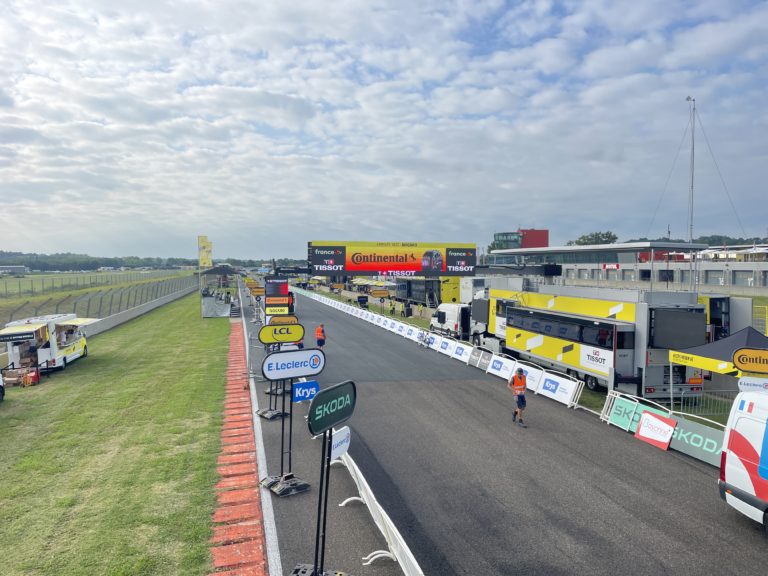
x=331 y=258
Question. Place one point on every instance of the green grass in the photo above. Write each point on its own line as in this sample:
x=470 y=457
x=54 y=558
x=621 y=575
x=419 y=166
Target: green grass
x=109 y=467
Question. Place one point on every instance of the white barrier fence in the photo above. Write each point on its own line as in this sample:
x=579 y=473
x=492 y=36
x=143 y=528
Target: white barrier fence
x=555 y=385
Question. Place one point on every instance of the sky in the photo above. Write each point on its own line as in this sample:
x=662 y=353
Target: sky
x=130 y=128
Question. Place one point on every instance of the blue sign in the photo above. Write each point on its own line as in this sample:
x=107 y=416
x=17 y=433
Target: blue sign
x=444 y=345
x=459 y=351
x=496 y=365
x=551 y=385
x=303 y=391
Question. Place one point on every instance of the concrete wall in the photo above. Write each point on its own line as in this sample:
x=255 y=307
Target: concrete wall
x=121 y=317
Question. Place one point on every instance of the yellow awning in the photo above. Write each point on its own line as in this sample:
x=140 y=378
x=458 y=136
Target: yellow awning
x=21 y=328
x=703 y=363
x=77 y=322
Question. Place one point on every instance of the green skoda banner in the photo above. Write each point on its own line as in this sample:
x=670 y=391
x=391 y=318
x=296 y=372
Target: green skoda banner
x=331 y=406
x=696 y=440
x=699 y=441
x=626 y=414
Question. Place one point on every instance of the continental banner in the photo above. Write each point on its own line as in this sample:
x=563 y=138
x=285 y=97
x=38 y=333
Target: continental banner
x=204 y=252
x=333 y=258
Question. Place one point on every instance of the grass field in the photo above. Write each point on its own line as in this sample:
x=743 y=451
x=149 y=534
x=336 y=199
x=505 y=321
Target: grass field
x=109 y=467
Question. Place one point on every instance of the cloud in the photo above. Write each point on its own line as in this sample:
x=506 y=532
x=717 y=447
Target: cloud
x=152 y=123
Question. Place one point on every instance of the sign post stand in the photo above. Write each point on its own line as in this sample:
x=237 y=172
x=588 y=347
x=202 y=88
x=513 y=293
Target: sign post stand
x=279 y=367
x=329 y=407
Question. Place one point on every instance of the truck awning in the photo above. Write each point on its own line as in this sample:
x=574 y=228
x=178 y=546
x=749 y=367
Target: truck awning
x=77 y=322
x=20 y=332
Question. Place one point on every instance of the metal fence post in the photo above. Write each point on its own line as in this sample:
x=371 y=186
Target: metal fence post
x=37 y=309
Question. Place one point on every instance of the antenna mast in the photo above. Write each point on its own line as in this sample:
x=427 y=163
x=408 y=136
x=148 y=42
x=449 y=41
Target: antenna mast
x=692 y=106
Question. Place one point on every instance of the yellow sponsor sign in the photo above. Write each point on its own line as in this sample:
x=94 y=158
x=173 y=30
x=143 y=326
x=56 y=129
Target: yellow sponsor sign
x=258 y=291
x=281 y=333
x=275 y=310
x=337 y=286
x=204 y=252
x=283 y=320
x=701 y=362
x=751 y=360
x=380 y=293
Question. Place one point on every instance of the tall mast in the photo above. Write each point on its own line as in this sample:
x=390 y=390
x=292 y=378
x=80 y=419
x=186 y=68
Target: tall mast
x=692 y=106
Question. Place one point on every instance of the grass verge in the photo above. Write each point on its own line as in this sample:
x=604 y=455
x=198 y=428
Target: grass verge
x=109 y=466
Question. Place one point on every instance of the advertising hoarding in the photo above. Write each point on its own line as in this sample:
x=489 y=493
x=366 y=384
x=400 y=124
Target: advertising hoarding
x=276 y=286
x=392 y=258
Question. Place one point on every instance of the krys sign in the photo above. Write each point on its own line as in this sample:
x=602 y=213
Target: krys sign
x=279 y=333
x=331 y=407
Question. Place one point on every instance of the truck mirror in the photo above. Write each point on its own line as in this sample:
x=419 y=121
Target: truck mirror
x=440 y=317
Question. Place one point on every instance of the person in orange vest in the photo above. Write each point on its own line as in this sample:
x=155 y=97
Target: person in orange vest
x=518 y=384
x=320 y=336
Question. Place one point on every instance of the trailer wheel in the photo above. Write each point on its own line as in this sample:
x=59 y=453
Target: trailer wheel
x=591 y=382
x=476 y=339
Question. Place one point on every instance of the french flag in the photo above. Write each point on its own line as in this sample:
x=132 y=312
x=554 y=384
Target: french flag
x=746 y=407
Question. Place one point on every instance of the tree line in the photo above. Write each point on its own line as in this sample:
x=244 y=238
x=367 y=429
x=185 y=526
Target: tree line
x=67 y=261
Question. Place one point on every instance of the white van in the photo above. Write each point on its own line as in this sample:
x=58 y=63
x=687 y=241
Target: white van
x=451 y=319
x=744 y=461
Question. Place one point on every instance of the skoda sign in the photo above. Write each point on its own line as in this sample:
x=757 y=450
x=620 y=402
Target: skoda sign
x=331 y=406
x=293 y=364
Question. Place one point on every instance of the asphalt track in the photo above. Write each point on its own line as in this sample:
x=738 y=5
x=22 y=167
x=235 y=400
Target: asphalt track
x=473 y=494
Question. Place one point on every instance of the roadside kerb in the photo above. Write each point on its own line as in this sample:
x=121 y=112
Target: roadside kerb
x=238 y=545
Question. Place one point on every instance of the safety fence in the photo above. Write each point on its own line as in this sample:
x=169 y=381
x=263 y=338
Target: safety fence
x=35 y=285
x=760 y=319
x=555 y=385
x=104 y=303
x=699 y=437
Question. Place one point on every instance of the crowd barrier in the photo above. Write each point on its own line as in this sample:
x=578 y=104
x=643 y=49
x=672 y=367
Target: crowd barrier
x=555 y=385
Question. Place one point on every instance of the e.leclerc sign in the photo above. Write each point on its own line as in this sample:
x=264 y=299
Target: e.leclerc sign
x=331 y=406
x=293 y=364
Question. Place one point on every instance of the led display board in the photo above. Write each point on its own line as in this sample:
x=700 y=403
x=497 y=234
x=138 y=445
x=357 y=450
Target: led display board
x=333 y=258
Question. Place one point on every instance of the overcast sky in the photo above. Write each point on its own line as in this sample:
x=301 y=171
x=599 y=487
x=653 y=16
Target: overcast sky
x=128 y=128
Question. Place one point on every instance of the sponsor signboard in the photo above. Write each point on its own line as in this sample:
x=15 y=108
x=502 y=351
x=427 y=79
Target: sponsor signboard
x=379 y=293
x=276 y=286
x=595 y=359
x=258 y=291
x=656 y=430
x=331 y=406
x=204 y=252
x=293 y=364
x=304 y=391
x=392 y=258
x=557 y=387
x=626 y=413
x=696 y=440
x=434 y=341
x=447 y=346
x=276 y=310
x=276 y=301
x=753 y=384
x=277 y=333
x=340 y=442
x=284 y=320
x=751 y=360
x=462 y=352
x=501 y=367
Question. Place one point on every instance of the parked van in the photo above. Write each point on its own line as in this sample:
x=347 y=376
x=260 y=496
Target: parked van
x=451 y=319
x=744 y=461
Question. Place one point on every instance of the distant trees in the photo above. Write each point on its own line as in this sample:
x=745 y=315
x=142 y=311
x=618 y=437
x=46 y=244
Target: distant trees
x=67 y=261
x=594 y=238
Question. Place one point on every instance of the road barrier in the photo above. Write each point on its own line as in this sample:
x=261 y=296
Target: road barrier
x=703 y=441
x=397 y=548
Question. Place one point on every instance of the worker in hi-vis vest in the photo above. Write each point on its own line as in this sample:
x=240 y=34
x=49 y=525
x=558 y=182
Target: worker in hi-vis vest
x=518 y=384
x=320 y=335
